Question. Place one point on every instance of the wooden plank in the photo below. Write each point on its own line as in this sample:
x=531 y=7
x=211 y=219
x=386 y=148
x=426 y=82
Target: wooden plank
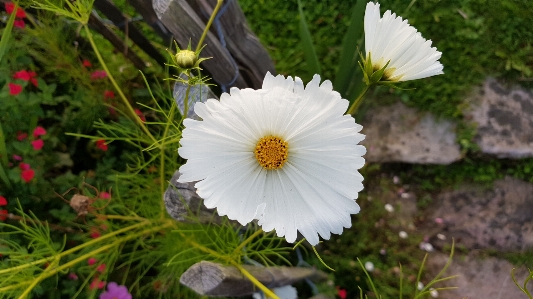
x=118 y=43
x=123 y=23
x=180 y=19
x=212 y=279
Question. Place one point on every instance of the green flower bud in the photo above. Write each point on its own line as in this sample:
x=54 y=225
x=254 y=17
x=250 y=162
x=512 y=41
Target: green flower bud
x=186 y=59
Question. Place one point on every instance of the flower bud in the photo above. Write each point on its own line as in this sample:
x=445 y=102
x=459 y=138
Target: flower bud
x=186 y=59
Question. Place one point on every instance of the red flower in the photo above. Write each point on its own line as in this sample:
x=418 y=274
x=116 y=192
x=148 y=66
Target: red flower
x=17 y=158
x=19 y=23
x=3 y=201
x=104 y=195
x=86 y=63
x=98 y=74
x=109 y=94
x=20 y=12
x=101 y=145
x=3 y=215
x=72 y=276
x=101 y=268
x=91 y=261
x=95 y=233
x=140 y=114
x=37 y=144
x=14 y=89
x=39 y=131
x=34 y=82
x=24 y=166
x=97 y=284
x=342 y=293
x=21 y=136
x=27 y=175
x=22 y=75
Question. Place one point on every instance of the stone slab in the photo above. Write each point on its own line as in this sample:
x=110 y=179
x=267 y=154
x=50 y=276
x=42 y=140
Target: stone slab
x=504 y=118
x=478 y=278
x=498 y=218
x=398 y=133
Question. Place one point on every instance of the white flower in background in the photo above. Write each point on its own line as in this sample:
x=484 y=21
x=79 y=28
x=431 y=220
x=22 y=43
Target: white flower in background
x=285 y=155
x=369 y=266
x=403 y=234
x=285 y=292
x=420 y=286
x=392 y=39
x=389 y=208
x=434 y=293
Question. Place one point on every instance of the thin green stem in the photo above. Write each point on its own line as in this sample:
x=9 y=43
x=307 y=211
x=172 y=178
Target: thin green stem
x=162 y=158
x=239 y=248
x=40 y=278
x=117 y=88
x=211 y=19
x=355 y=105
x=262 y=287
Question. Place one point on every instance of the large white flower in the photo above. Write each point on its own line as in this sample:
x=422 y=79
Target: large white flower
x=392 y=39
x=284 y=155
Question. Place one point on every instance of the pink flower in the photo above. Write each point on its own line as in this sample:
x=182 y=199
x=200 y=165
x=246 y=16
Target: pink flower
x=104 y=195
x=17 y=158
x=3 y=201
x=21 y=136
x=140 y=114
x=91 y=261
x=10 y=7
x=439 y=220
x=22 y=75
x=101 y=145
x=342 y=293
x=86 y=63
x=115 y=291
x=19 y=23
x=98 y=74
x=24 y=166
x=101 y=268
x=27 y=175
x=3 y=215
x=97 y=284
x=39 y=131
x=72 y=276
x=37 y=144
x=109 y=94
x=14 y=89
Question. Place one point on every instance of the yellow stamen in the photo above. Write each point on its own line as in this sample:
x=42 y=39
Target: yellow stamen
x=271 y=152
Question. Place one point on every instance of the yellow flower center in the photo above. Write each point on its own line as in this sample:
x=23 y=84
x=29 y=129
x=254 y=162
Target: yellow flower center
x=271 y=152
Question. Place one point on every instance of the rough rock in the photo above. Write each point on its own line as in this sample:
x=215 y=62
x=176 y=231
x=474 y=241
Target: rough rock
x=477 y=278
x=498 y=218
x=400 y=134
x=504 y=120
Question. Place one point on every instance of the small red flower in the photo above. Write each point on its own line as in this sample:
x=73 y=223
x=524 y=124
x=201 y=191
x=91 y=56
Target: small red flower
x=39 y=131
x=14 y=89
x=98 y=74
x=101 y=268
x=104 y=195
x=109 y=94
x=91 y=261
x=97 y=284
x=17 y=158
x=101 y=145
x=27 y=175
x=3 y=201
x=19 y=23
x=22 y=75
x=24 y=166
x=10 y=7
x=21 y=136
x=95 y=233
x=3 y=215
x=86 y=63
x=140 y=114
x=342 y=293
x=37 y=144
x=72 y=276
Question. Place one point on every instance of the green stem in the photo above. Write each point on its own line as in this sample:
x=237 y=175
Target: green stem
x=355 y=105
x=248 y=240
x=72 y=250
x=162 y=159
x=119 y=90
x=211 y=19
x=40 y=278
x=262 y=287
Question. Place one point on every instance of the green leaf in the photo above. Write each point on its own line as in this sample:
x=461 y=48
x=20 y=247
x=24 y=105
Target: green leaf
x=6 y=35
x=348 y=69
x=307 y=44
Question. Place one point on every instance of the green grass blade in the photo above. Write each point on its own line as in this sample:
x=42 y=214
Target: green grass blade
x=6 y=35
x=349 y=52
x=307 y=44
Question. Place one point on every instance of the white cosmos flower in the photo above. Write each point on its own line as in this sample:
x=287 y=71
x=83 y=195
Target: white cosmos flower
x=284 y=154
x=392 y=39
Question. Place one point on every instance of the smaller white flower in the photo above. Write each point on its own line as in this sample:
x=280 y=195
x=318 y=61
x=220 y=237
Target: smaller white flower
x=420 y=286
x=426 y=246
x=434 y=293
x=369 y=266
x=402 y=234
x=389 y=208
x=392 y=40
x=285 y=292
